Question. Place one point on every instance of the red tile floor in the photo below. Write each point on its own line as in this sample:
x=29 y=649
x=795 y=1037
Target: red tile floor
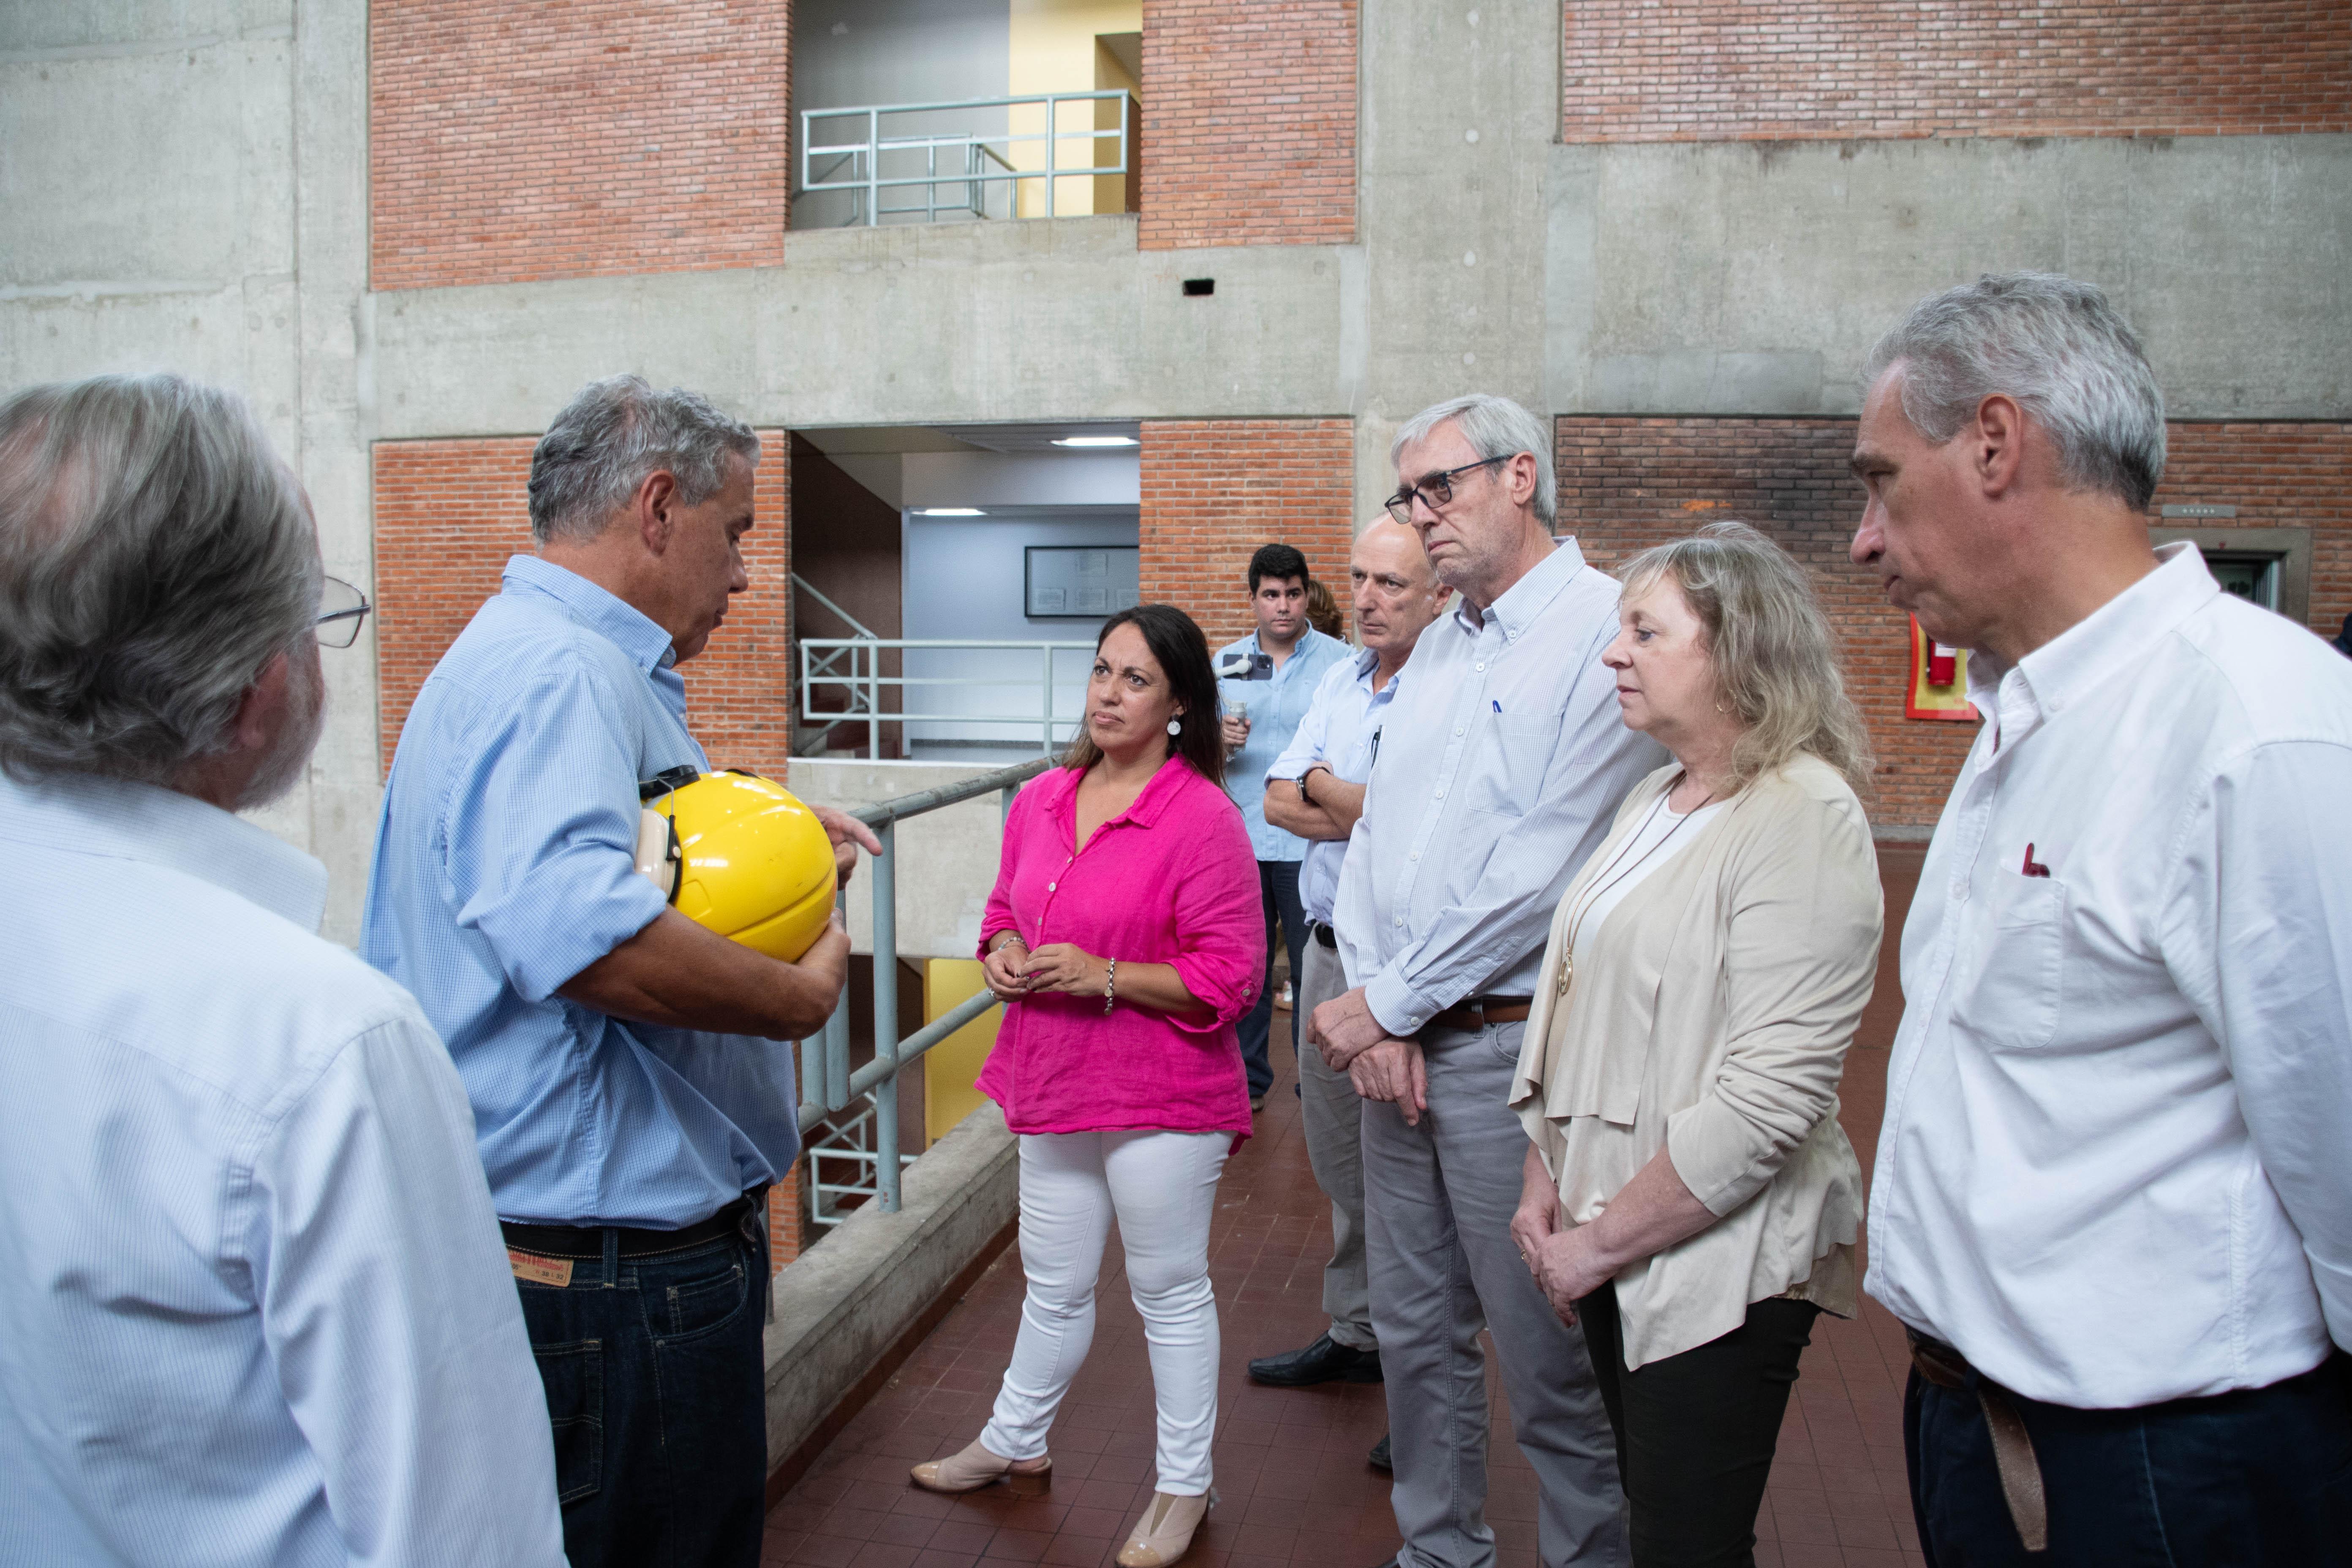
x=1291 y=1467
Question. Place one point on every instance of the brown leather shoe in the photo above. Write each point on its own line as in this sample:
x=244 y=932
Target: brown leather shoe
x=1164 y=1533
x=975 y=1467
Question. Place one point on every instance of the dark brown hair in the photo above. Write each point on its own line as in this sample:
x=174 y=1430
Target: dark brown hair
x=1181 y=652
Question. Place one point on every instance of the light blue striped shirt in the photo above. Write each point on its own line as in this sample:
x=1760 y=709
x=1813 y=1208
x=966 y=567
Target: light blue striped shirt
x=256 y=1310
x=1341 y=731
x=505 y=864
x=1502 y=763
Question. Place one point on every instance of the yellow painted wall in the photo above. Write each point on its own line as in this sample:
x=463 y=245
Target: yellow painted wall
x=950 y=1067
x=1053 y=51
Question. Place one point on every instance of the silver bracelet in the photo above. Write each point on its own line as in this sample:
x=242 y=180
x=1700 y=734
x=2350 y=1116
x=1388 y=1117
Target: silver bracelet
x=1111 y=985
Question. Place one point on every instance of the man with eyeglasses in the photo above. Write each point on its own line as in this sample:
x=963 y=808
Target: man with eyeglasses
x=1502 y=763
x=257 y=1307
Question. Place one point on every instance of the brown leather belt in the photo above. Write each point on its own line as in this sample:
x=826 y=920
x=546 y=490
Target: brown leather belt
x=1482 y=1011
x=2012 y=1446
x=588 y=1241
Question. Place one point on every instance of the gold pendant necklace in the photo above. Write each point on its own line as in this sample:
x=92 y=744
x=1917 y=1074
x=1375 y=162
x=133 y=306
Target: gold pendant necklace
x=1584 y=905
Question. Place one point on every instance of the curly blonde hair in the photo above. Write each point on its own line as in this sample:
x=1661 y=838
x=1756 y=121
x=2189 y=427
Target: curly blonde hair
x=1776 y=661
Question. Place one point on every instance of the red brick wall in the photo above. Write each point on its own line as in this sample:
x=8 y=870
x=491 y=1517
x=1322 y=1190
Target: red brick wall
x=448 y=515
x=1629 y=483
x=1216 y=490
x=1681 y=70
x=1249 y=122
x=512 y=140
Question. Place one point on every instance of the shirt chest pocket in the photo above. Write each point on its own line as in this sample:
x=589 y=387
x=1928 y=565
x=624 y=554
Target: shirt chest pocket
x=1504 y=772
x=2011 y=1000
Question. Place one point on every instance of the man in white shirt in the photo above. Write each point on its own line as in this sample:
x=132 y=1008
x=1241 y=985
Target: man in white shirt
x=2113 y=1200
x=256 y=1309
x=1502 y=764
x=1316 y=790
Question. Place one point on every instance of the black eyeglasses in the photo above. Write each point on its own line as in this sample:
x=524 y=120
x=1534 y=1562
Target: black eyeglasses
x=1437 y=490
x=341 y=611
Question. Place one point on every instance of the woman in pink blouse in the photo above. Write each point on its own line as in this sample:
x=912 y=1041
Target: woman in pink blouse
x=1125 y=937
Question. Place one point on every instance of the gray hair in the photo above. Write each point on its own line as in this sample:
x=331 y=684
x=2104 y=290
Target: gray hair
x=154 y=555
x=2057 y=347
x=616 y=432
x=1495 y=427
x=1775 y=659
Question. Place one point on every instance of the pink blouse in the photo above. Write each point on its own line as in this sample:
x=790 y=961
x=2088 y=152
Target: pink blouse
x=1171 y=879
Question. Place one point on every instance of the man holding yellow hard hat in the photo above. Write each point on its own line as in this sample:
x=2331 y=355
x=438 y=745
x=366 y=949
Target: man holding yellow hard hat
x=558 y=876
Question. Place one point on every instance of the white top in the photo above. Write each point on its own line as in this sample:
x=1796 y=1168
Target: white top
x=1341 y=731
x=1502 y=763
x=2115 y=1167
x=1665 y=834
x=255 y=1309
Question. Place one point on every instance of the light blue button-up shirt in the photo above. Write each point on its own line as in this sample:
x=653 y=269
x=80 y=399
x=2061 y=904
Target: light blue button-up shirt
x=255 y=1309
x=1342 y=732
x=1276 y=708
x=1502 y=764
x=505 y=864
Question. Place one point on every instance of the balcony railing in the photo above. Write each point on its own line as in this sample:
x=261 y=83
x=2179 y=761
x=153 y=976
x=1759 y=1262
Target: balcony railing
x=873 y=151
x=860 y=1110
x=1007 y=695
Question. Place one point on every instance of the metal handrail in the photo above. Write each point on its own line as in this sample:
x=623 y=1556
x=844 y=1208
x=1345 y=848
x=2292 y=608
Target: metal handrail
x=827 y=1086
x=855 y=664
x=977 y=150
x=805 y=586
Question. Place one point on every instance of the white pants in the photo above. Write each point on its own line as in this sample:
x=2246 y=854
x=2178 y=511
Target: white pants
x=1162 y=1187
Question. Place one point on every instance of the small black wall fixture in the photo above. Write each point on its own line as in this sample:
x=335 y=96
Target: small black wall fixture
x=1196 y=286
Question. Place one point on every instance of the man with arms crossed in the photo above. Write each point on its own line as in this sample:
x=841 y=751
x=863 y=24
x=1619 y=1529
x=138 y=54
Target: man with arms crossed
x=1316 y=789
x=1264 y=683
x=630 y=1076
x=2114 y=1191
x=255 y=1309
x=1502 y=763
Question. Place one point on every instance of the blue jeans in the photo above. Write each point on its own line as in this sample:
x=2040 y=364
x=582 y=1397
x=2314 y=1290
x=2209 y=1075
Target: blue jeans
x=1277 y=886
x=655 y=1391
x=2260 y=1478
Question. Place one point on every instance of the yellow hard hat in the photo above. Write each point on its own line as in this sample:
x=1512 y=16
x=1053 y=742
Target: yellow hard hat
x=739 y=855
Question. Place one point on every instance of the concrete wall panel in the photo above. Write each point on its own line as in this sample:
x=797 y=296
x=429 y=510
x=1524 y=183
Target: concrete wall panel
x=1753 y=278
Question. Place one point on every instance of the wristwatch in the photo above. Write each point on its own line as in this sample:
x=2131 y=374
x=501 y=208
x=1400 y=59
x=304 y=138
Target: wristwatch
x=1302 y=782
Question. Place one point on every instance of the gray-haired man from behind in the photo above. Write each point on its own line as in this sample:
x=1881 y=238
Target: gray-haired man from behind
x=256 y=1309
x=1502 y=763
x=2113 y=1200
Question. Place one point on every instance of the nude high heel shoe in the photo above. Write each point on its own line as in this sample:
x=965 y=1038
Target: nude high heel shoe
x=975 y=1467
x=1164 y=1533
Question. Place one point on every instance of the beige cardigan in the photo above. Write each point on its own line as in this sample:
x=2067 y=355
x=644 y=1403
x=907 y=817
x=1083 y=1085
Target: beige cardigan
x=1712 y=1014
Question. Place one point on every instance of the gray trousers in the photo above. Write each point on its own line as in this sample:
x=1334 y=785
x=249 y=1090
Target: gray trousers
x=1333 y=1118
x=1438 y=1205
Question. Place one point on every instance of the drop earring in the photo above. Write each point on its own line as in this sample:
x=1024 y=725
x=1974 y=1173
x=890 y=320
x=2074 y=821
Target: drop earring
x=1176 y=726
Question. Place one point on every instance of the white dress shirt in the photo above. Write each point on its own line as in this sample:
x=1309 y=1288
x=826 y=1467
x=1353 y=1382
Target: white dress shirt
x=255 y=1309
x=1341 y=731
x=1502 y=763
x=2117 y=1161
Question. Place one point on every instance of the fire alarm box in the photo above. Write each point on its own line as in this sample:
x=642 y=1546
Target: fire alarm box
x=1940 y=679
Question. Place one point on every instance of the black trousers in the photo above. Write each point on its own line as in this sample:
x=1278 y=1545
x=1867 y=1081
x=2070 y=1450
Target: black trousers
x=1696 y=1431
x=2261 y=1478
x=1277 y=884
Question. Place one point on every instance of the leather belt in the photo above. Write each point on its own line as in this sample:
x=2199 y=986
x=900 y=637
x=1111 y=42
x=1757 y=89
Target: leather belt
x=1479 y=1012
x=2012 y=1446
x=588 y=1241
x=1323 y=934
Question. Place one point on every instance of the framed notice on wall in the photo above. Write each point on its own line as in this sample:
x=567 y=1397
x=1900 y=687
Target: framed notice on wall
x=1080 y=581
x=1940 y=679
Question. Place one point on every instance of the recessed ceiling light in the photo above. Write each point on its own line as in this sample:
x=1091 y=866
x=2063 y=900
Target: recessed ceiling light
x=948 y=511
x=1094 y=441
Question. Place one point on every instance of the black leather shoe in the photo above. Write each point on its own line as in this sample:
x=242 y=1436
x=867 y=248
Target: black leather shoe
x=1380 y=1456
x=1323 y=1362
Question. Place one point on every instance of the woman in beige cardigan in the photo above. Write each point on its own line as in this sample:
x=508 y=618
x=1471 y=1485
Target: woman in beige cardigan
x=1689 y=1195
